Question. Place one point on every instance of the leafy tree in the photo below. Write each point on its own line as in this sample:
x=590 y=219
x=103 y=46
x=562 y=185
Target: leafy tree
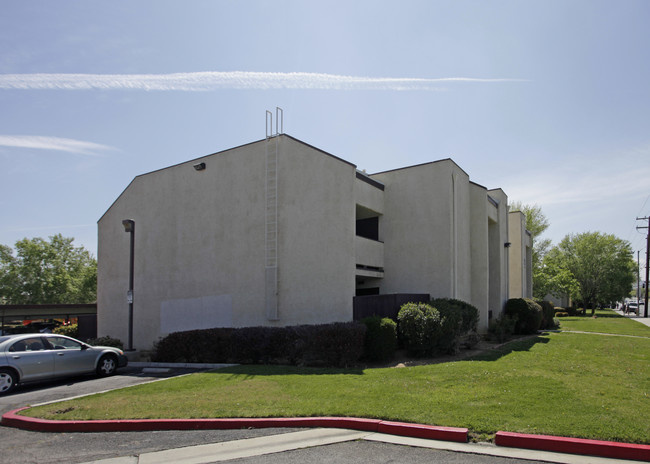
x=47 y=272
x=552 y=279
x=601 y=264
x=536 y=223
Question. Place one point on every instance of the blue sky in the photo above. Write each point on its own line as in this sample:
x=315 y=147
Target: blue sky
x=549 y=100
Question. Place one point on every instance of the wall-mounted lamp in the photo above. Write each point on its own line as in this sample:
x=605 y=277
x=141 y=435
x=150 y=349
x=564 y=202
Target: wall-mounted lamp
x=199 y=166
x=507 y=245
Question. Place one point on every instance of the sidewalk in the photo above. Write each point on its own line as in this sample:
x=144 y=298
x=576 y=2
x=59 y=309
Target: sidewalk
x=329 y=430
x=240 y=449
x=634 y=317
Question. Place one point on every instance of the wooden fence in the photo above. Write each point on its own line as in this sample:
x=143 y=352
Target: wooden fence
x=384 y=305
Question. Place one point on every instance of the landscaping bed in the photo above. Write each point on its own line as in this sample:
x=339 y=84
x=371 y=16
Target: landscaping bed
x=556 y=383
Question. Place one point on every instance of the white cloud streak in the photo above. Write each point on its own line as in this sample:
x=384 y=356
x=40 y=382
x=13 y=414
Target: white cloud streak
x=243 y=80
x=53 y=143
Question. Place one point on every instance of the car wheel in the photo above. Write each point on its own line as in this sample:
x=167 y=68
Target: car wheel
x=107 y=365
x=8 y=381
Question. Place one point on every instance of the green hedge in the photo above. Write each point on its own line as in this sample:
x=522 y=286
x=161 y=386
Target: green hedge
x=70 y=330
x=459 y=319
x=548 y=313
x=106 y=341
x=419 y=326
x=526 y=313
x=332 y=345
x=501 y=328
x=381 y=338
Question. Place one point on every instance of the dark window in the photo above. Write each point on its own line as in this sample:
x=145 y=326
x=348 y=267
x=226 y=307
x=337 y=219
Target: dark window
x=368 y=228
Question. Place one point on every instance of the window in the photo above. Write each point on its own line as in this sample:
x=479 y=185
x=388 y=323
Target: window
x=27 y=344
x=61 y=343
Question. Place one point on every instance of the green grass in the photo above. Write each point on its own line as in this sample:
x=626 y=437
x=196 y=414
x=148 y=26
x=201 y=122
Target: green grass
x=606 y=321
x=570 y=384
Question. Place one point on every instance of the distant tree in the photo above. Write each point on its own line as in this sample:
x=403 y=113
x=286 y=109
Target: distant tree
x=551 y=278
x=601 y=264
x=536 y=224
x=47 y=272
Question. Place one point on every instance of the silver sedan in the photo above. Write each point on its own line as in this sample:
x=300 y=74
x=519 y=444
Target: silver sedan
x=35 y=357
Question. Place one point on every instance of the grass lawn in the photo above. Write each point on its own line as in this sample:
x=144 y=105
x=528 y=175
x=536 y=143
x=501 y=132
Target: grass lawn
x=570 y=384
x=613 y=324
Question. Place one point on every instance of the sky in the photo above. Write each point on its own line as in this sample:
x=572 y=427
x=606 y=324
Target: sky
x=548 y=100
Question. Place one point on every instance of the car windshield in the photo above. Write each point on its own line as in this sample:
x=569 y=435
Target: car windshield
x=4 y=339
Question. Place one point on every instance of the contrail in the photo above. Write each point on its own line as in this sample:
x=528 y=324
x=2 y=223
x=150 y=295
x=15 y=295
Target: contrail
x=53 y=143
x=206 y=81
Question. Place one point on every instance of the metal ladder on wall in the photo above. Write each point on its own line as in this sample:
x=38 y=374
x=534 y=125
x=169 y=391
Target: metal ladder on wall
x=271 y=213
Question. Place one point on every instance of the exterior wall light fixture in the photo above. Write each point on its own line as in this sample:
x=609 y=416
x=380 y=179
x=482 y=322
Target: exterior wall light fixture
x=199 y=166
x=507 y=245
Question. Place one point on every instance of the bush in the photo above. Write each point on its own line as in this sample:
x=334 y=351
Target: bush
x=106 y=341
x=459 y=319
x=527 y=315
x=70 y=330
x=501 y=328
x=548 y=312
x=419 y=326
x=336 y=345
x=381 y=338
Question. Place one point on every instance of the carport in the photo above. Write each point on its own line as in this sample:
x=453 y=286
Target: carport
x=86 y=315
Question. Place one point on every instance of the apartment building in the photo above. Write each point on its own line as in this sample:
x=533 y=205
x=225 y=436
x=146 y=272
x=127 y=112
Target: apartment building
x=278 y=232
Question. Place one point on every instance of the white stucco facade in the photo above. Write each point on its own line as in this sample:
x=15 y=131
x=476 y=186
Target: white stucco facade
x=278 y=232
x=521 y=255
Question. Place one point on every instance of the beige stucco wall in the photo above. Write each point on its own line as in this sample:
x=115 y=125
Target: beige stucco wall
x=201 y=248
x=480 y=254
x=520 y=256
x=316 y=230
x=200 y=244
x=426 y=230
x=498 y=253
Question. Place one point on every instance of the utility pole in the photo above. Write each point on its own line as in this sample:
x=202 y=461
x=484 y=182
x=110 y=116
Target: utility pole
x=647 y=263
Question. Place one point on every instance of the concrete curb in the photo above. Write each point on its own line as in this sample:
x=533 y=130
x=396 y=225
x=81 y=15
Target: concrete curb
x=456 y=434
x=147 y=364
x=606 y=449
x=577 y=446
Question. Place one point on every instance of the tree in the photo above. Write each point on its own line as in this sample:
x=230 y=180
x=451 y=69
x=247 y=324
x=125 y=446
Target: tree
x=552 y=279
x=601 y=264
x=536 y=223
x=47 y=272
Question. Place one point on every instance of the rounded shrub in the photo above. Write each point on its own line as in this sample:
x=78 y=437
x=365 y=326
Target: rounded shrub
x=71 y=330
x=548 y=313
x=526 y=313
x=381 y=338
x=419 y=326
x=459 y=319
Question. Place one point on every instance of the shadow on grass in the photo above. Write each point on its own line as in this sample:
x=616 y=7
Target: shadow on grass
x=249 y=371
x=246 y=371
x=509 y=347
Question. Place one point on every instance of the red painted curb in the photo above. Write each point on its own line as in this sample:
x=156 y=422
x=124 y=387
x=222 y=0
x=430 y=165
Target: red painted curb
x=13 y=419
x=424 y=431
x=607 y=449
